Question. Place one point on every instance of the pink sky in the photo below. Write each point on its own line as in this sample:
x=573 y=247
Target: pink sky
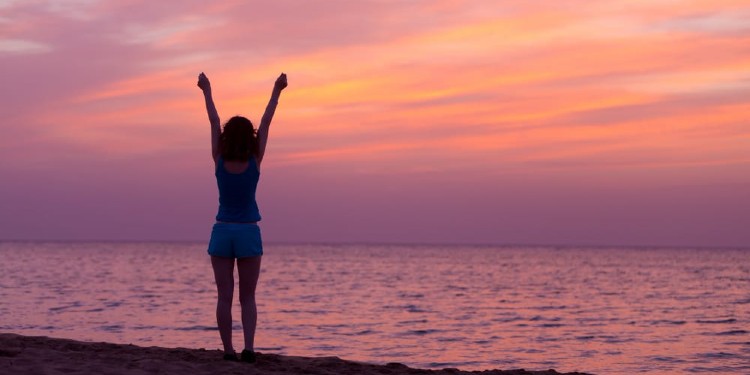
x=571 y=122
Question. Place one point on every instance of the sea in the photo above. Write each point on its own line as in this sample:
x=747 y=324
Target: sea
x=603 y=310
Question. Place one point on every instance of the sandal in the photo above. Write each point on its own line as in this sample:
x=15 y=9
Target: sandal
x=248 y=356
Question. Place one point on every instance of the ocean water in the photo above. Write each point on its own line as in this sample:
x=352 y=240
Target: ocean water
x=599 y=310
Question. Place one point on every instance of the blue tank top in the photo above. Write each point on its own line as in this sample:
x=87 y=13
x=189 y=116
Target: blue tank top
x=237 y=193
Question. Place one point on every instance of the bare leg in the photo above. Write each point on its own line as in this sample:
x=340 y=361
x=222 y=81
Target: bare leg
x=224 y=274
x=249 y=271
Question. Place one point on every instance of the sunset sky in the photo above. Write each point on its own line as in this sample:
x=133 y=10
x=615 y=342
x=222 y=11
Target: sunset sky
x=503 y=122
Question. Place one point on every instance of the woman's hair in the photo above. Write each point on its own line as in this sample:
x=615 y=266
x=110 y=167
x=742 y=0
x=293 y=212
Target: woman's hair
x=238 y=140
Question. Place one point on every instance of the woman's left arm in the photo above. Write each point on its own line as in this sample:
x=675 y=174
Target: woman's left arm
x=213 y=115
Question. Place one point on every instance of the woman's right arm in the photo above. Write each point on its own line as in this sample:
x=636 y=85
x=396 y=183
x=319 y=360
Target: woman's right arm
x=265 y=121
x=213 y=115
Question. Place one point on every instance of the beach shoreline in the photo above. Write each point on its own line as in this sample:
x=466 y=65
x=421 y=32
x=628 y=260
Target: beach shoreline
x=44 y=355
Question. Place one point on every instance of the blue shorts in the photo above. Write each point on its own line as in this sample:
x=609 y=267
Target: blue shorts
x=235 y=240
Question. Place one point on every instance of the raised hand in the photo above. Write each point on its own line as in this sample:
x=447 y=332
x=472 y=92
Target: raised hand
x=280 y=82
x=203 y=82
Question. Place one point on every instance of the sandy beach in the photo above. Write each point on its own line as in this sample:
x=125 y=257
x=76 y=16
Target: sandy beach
x=43 y=355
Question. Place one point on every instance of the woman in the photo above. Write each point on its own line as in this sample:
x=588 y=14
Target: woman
x=237 y=152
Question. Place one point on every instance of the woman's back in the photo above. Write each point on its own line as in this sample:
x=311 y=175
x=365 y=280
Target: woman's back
x=237 y=182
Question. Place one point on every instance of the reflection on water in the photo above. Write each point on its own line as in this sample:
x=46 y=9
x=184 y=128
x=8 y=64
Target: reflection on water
x=595 y=310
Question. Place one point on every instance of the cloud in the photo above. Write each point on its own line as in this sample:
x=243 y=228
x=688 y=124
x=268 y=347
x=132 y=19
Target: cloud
x=19 y=46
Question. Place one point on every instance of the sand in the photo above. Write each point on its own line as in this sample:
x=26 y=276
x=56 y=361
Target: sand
x=44 y=355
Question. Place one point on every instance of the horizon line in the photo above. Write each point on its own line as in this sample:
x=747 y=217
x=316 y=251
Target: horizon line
x=401 y=243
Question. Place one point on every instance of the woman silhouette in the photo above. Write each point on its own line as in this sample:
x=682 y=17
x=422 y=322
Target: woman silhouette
x=237 y=152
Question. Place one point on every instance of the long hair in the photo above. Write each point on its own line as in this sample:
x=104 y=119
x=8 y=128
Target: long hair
x=238 y=140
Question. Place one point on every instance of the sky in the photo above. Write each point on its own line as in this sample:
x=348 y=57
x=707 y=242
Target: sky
x=620 y=123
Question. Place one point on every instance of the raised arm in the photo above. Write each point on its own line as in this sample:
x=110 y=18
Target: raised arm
x=213 y=115
x=265 y=121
